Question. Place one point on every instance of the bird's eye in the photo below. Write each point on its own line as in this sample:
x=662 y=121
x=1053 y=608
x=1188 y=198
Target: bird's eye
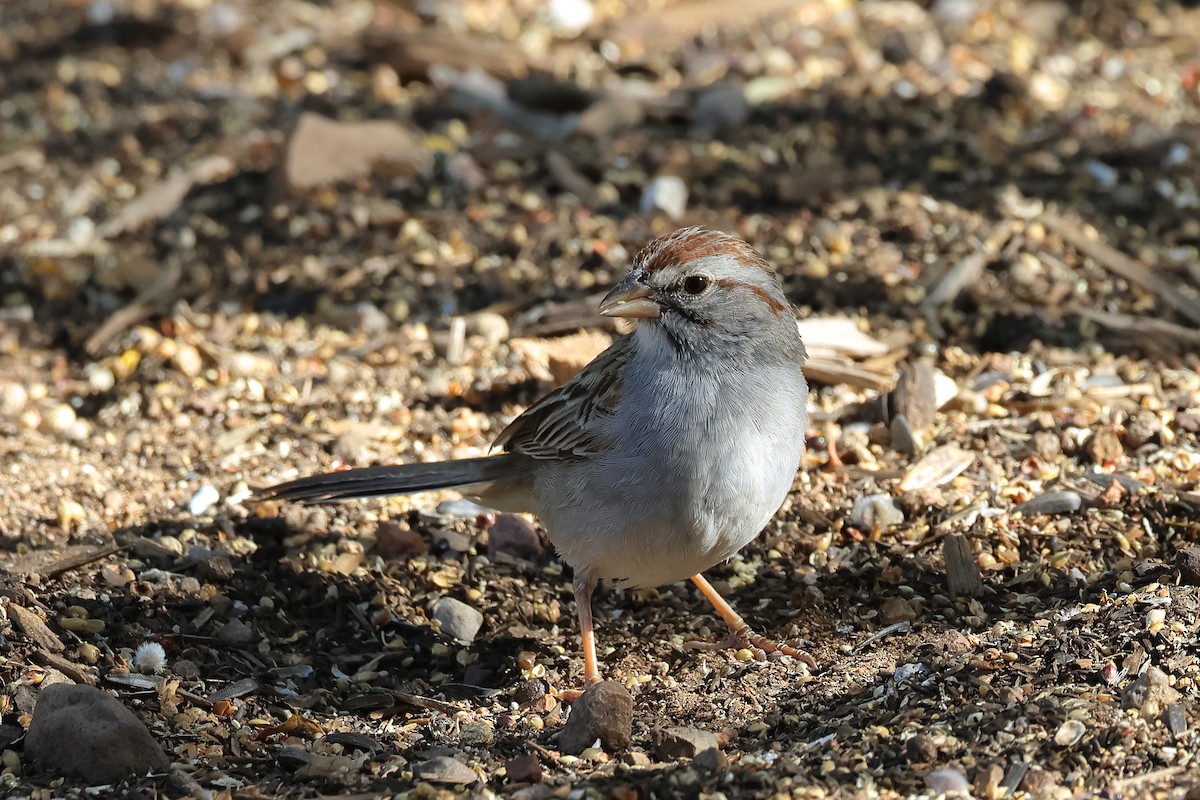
x=695 y=284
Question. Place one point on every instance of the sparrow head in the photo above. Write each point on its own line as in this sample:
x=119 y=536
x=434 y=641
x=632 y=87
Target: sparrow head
x=710 y=282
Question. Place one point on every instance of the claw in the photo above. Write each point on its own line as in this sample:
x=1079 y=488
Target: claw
x=741 y=634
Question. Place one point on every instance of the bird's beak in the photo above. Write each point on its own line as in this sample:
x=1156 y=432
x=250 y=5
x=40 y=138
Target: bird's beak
x=630 y=299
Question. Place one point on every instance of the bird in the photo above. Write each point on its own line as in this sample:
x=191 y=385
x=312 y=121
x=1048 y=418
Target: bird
x=663 y=456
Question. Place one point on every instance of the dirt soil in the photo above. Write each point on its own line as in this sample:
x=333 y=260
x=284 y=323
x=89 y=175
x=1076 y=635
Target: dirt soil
x=214 y=276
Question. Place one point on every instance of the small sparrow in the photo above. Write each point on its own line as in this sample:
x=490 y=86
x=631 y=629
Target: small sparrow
x=666 y=454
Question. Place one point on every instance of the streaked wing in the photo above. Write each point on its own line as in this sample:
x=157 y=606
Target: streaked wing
x=562 y=425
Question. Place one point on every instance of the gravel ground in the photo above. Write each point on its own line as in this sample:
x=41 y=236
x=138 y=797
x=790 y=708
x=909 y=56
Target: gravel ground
x=241 y=242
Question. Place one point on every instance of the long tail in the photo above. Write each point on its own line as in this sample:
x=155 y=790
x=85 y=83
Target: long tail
x=398 y=479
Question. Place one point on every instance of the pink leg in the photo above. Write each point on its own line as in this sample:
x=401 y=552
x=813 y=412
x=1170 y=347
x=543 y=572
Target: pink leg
x=742 y=633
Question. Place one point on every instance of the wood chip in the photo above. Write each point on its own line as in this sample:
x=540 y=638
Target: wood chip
x=1146 y=329
x=939 y=466
x=665 y=27
x=915 y=396
x=838 y=335
x=834 y=372
x=323 y=151
x=571 y=179
x=557 y=360
x=412 y=53
x=969 y=269
x=962 y=573
x=33 y=627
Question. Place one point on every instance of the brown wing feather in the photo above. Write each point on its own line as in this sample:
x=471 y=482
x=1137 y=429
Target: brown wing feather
x=562 y=424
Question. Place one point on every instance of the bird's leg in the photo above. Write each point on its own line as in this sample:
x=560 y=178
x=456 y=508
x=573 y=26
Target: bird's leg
x=741 y=633
x=584 y=585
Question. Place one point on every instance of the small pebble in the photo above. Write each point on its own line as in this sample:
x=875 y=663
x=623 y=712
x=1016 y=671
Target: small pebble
x=875 y=512
x=904 y=438
x=70 y=513
x=719 y=111
x=1051 y=503
x=444 y=769
x=393 y=541
x=187 y=360
x=1187 y=561
x=700 y=745
x=492 y=327
x=1151 y=693
x=85 y=732
x=1176 y=718
x=205 y=498
x=1069 y=733
x=13 y=398
x=458 y=620
x=59 y=419
x=897 y=609
x=666 y=193
x=476 y=734
x=524 y=769
x=235 y=632
x=570 y=17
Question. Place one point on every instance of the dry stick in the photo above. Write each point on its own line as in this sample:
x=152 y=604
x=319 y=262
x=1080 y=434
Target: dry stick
x=678 y=22
x=76 y=560
x=151 y=299
x=962 y=573
x=965 y=272
x=834 y=373
x=1144 y=327
x=1120 y=264
x=571 y=179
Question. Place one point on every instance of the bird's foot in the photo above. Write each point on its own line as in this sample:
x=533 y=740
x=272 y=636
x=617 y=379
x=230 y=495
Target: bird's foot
x=569 y=696
x=759 y=647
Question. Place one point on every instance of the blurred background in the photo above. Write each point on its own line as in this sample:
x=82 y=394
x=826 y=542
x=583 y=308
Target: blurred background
x=432 y=159
x=242 y=241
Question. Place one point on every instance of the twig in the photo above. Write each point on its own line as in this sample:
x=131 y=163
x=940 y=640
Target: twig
x=895 y=627
x=834 y=373
x=1118 y=263
x=76 y=560
x=1146 y=327
x=968 y=270
x=146 y=303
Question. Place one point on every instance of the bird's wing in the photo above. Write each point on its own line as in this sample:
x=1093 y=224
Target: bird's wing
x=562 y=425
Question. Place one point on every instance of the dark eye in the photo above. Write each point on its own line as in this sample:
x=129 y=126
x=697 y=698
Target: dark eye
x=695 y=284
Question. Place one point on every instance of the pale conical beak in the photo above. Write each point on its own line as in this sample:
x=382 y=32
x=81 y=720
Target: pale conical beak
x=630 y=299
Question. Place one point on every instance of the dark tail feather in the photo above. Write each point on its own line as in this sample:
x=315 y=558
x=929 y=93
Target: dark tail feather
x=398 y=479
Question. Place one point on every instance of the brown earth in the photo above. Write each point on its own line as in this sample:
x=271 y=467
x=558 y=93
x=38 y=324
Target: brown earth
x=195 y=300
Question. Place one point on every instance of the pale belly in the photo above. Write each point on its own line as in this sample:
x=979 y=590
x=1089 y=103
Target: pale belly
x=682 y=518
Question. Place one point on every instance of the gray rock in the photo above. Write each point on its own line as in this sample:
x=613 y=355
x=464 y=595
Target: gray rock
x=1151 y=693
x=673 y=743
x=83 y=732
x=458 y=620
x=1051 y=503
x=604 y=712
x=515 y=535
x=444 y=769
x=235 y=632
x=1187 y=561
